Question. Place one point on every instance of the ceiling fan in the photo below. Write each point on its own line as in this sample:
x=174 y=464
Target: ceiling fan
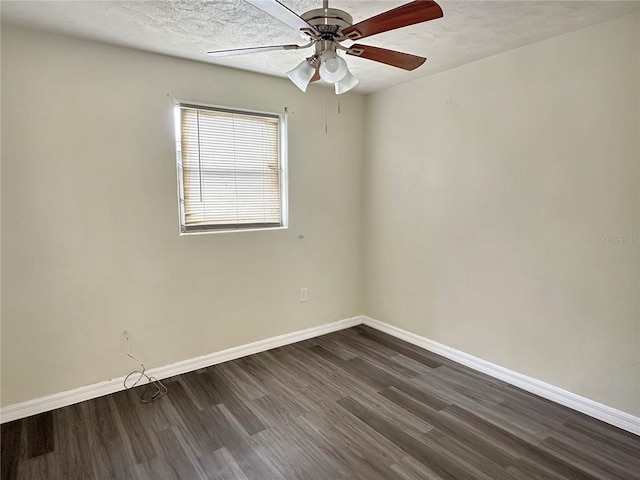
x=325 y=28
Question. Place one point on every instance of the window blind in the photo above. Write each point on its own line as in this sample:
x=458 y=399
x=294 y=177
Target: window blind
x=231 y=169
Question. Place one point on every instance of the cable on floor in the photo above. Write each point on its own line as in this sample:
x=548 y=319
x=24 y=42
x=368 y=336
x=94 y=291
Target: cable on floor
x=154 y=390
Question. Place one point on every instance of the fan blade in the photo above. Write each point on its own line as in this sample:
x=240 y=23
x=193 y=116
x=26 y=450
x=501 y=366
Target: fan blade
x=417 y=11
x=405 y=61
x=244 y=51
x=283 y=13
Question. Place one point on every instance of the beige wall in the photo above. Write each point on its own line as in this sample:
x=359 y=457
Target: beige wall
x=90 y=225
x=491 y=192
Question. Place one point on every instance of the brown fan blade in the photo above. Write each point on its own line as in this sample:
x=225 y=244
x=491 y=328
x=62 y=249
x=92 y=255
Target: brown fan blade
x=417 y=11
x=244 y=51
x=283 y=13
x=405 y=61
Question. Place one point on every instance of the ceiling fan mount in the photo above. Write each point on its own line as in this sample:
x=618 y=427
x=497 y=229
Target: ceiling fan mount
x=327 y=27
x=328 y=21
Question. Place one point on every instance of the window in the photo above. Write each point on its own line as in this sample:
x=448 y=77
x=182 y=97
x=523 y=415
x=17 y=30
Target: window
x=231 y=169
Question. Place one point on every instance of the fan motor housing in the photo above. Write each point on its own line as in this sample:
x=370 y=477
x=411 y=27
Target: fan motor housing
x=328 y=21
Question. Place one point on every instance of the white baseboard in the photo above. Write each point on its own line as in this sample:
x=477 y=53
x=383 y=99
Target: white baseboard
x=63 y=399
x=589 y=407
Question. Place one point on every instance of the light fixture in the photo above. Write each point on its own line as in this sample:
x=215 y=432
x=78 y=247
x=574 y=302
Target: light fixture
x=329 y=65
x=346 y=84
x=302 y=74
x=332 y=67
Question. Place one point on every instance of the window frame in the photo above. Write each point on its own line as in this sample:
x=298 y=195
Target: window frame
x=185 y=229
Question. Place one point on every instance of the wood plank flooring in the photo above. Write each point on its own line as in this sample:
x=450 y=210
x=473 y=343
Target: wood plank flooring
x=355 y=404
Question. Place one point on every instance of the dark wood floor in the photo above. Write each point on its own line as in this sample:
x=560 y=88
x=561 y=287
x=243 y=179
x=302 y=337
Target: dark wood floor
x=355 y=404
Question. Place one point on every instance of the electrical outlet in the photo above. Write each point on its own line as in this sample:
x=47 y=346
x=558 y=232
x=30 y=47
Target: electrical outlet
x=304 y=292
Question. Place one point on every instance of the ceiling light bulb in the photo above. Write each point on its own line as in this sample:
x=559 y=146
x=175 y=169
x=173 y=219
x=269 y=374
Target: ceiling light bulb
x=332 y=67
x=302 y=74
x=346 y=84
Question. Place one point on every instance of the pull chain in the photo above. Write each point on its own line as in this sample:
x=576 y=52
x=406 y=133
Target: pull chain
x=326 y=122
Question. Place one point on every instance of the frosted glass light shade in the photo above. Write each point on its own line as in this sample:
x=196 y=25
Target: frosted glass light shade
x=346 y=84
x=302 y=74
x=332 y=67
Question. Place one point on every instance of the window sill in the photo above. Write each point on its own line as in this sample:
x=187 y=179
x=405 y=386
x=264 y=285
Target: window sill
x=233 y=230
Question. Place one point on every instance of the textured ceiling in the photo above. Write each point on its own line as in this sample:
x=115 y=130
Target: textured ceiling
x=469 y=30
